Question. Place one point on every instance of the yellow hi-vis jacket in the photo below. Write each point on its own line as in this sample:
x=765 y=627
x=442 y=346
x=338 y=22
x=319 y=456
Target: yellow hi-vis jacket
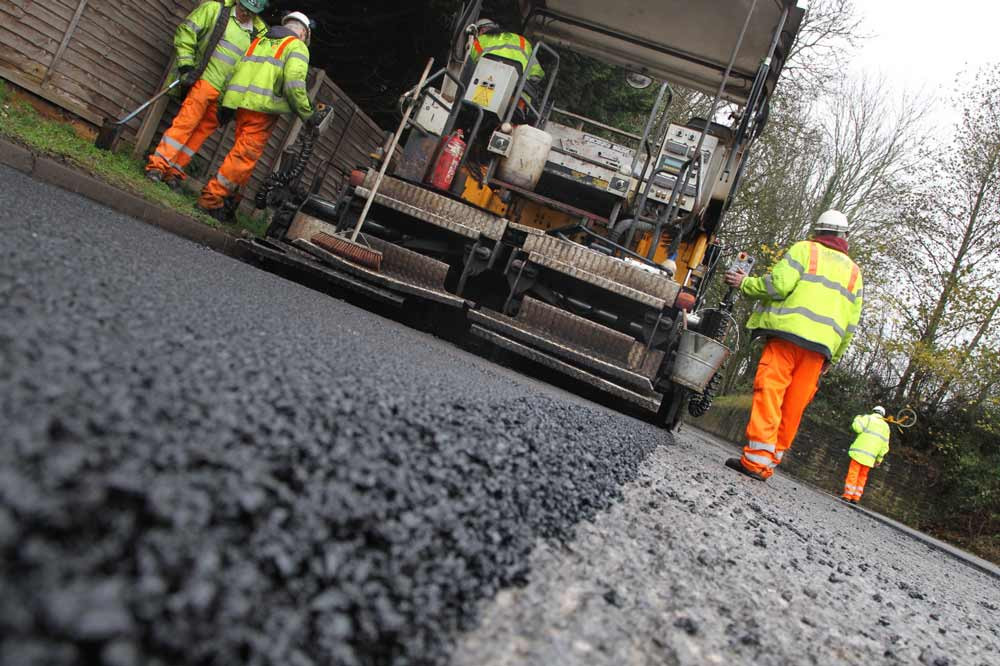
x=812 y=297
x=872 y=442
x=192 y=36
x=271 y=77
x=509 y=46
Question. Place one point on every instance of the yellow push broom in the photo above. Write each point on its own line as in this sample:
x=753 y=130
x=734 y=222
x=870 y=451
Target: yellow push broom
x=350 y=248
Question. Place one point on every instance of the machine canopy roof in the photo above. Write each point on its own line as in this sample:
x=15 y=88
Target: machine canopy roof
x=687 y=42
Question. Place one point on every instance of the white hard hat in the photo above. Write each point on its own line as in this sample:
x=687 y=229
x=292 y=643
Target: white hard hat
x=879 y=409
x=832 y=220
x=487 y=25
x=299 y=17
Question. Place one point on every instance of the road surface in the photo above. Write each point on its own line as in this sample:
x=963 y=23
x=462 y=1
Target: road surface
x=201 y=462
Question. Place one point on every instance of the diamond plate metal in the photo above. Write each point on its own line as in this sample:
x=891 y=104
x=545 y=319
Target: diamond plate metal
x=575 y=331
x=307 y=226
x=596 y=280
x=548 y=344
x=433 y=208
x=409 y=265
x=379 y=278
x=650 y=402
x=599 y=269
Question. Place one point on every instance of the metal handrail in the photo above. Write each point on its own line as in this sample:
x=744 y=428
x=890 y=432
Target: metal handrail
x=596 y=123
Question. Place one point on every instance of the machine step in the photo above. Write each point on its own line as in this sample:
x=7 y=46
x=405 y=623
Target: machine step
x=650 y=402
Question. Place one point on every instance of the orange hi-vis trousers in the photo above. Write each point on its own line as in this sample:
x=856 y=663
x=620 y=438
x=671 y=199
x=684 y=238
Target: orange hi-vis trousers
x=857 y=477
x=194 y=123
x=786 y=381
x=253 y=129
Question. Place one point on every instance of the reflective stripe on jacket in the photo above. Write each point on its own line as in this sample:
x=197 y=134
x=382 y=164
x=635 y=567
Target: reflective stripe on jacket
x=872 y=442
x=271 y=78
x=510 y=46
x=193 y=34
x=814 y=293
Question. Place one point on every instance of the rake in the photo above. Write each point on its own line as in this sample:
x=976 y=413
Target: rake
x=112 y=129
x=350 y=248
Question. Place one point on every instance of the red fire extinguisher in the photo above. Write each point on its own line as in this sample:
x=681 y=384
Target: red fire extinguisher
x=452 y=149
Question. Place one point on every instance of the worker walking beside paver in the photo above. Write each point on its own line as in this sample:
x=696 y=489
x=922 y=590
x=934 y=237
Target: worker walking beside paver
x=810 y=304
x=868 y=450
x=270 y=80
x=209 y=44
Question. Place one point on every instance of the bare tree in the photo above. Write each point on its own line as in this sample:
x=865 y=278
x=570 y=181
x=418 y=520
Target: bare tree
x=830 y=30
x=954 y=235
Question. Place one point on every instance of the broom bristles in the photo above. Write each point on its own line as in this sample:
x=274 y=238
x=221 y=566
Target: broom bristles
x=356 y=253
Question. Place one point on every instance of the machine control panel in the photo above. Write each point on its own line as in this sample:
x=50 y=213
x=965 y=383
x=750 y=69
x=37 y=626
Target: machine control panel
x=743 y=263
x=678 y=147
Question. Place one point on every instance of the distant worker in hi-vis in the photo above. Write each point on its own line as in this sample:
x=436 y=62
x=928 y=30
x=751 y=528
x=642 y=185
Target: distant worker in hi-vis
x=809 y=307
x=868 y=450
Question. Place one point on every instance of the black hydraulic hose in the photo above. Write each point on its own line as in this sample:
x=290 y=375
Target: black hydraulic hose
x=286 y=176
x=623 y=226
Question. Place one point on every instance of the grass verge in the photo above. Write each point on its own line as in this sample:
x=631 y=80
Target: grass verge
x=58 y=137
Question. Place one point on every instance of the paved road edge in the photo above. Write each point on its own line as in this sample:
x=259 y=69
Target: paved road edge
x=969 y=559
x=54 y=172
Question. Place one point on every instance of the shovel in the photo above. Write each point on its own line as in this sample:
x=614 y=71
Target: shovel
x=112 y=129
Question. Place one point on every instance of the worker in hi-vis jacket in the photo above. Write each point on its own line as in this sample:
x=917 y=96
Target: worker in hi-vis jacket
x=868 y=450
x=269 y=81
x=808 y=308
x=227 y=28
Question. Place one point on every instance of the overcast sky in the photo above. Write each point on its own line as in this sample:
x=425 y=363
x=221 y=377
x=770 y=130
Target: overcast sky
x=921 y=45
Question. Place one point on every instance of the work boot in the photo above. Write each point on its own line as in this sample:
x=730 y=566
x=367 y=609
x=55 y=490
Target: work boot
x=154 y=175
x=173 y=183
x=735 y=463
x=220 y=213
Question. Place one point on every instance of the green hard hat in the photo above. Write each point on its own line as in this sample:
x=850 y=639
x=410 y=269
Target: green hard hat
x=255 y=6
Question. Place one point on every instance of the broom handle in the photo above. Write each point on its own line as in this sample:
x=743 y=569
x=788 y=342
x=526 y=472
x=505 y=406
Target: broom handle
x=388 y=154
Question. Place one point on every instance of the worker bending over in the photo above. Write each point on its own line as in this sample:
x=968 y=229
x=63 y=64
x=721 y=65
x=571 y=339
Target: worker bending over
x=270 y=80
x=869 y=448
x=810 y=304
x=203 y=75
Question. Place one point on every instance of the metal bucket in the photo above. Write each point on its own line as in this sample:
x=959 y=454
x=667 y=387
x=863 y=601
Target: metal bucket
x=698 y=359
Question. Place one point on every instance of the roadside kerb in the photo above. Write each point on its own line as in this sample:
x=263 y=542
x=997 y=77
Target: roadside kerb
x=53 y=172
x=957 y=553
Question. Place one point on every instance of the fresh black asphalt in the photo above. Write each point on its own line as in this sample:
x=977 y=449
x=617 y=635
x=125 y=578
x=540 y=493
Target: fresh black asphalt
x=202 y=463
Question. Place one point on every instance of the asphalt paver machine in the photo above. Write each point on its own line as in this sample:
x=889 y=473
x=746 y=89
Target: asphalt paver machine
x=584 y=247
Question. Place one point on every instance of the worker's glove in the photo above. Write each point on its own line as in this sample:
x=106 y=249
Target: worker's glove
x=224 y=115
x=826 y=367
x=317 y=118
x=188 y=76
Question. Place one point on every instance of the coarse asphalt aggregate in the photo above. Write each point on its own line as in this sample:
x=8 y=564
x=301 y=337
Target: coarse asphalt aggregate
x=204 y=463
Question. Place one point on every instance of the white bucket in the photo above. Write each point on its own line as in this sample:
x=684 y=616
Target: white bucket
x=529 y=151
x=698 y=358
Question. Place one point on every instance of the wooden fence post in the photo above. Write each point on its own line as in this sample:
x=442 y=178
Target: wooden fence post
x=68 y=35
x=151 y=119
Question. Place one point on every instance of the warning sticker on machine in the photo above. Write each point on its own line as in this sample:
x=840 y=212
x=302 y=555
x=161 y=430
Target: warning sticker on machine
x=483 y=95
